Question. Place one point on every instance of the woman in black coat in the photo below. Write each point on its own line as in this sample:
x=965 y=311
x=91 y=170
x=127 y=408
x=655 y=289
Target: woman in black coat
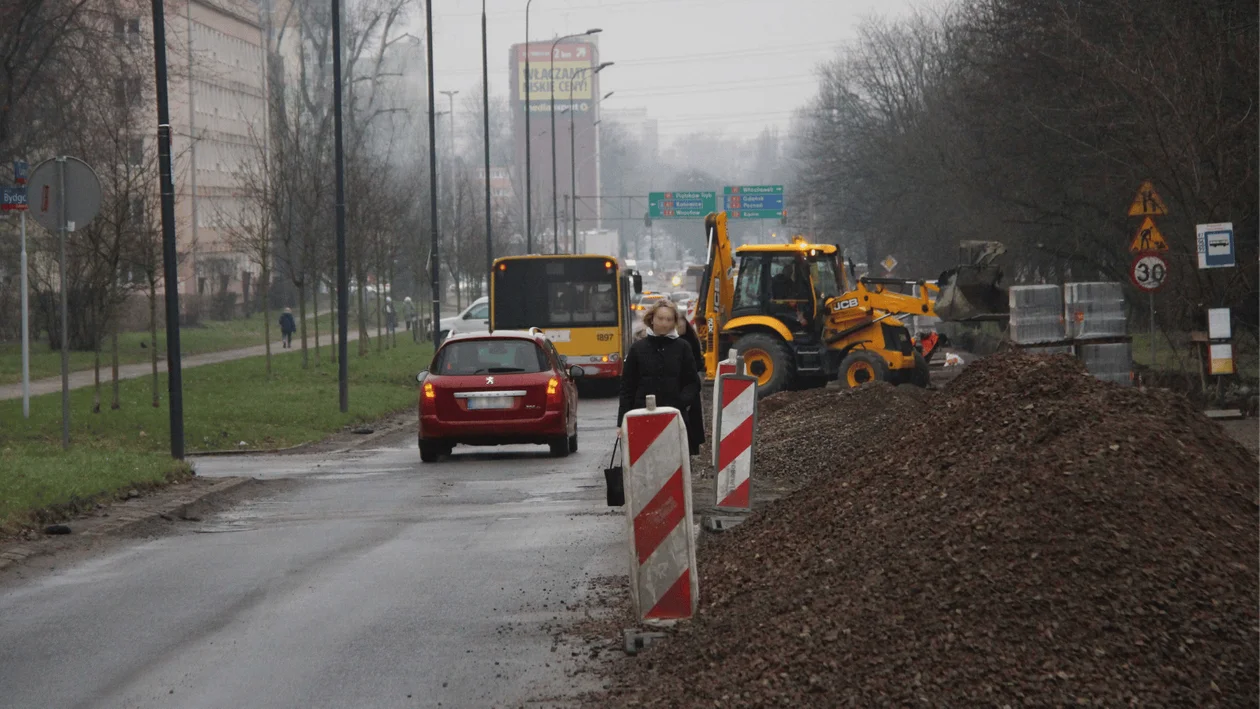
x=661 y=365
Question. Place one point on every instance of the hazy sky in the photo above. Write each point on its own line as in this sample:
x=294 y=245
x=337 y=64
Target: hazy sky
x=733 y=66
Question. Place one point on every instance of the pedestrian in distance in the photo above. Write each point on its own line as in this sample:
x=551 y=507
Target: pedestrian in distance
x=391 y=316
x=287 y=327
x=661 y=365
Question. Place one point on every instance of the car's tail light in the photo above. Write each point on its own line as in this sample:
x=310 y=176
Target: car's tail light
x=429 y=395
x=553 y=391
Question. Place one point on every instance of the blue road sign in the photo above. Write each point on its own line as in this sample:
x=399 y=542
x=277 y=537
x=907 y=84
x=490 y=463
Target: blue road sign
x=21 y=169
x=13 y=198
x=750 y=201
x=753 y=201
x=1216 y=245
x=752 y=189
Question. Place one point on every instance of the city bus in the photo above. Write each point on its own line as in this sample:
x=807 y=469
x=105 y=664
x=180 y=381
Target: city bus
x=581 y=301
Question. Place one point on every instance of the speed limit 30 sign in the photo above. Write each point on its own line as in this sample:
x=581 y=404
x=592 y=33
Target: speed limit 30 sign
x=1149 y=271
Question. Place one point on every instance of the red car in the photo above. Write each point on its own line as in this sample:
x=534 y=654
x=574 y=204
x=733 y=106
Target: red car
x=504 y=387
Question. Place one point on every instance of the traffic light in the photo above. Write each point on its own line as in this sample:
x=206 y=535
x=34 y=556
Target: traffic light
x=783 y=217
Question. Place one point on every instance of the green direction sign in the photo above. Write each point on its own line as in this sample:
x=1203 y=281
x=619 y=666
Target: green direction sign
x=681 y=205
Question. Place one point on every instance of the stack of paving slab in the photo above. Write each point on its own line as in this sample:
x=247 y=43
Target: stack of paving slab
x=1082 y=319
x=1037 y=319
x=1095 y=318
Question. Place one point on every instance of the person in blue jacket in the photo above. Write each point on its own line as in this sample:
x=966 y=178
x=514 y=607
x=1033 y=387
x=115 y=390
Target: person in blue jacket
x=287 y=327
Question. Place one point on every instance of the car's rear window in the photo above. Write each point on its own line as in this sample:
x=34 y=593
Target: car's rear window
x=489 y=356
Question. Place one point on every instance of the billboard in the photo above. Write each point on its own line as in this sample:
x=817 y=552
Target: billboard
x=567 y=76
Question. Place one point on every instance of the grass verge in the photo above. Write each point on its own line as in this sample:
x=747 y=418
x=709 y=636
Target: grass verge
x=209 y=337
x=224 y=404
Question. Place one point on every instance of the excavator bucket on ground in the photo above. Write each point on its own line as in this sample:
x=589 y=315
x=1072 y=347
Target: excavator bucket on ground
x=973 y=290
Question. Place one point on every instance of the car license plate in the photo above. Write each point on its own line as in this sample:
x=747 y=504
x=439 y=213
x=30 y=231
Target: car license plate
x=491 y=402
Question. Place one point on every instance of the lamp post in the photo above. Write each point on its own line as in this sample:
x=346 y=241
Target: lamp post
x=573 y=148
x=555 y=213
x=599 y=173
x=435 y=261
x=485 y=126
x=450 y=104
x=529 y=195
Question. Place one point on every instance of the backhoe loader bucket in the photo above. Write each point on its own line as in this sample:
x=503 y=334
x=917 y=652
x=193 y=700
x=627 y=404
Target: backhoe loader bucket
x=973 y=291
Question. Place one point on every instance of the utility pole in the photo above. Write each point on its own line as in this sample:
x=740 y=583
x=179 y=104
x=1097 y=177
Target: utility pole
x=555 y=214
x=529 y=194
x=573 y=171
x=435 y=268
x=170 y=264
x=450 y=97
x=343 y=277
x=573 y=145
x=485 y=126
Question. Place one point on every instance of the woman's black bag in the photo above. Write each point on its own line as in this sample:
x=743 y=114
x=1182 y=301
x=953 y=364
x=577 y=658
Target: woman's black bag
x=616 y=491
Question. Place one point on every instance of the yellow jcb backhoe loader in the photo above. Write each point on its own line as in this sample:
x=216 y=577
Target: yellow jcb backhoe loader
x=799 y=320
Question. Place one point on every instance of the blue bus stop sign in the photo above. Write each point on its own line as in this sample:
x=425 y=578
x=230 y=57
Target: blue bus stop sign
x=1216 y=245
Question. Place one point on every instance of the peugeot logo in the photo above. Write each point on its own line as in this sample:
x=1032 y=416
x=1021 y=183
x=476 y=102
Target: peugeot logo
x=490 y=380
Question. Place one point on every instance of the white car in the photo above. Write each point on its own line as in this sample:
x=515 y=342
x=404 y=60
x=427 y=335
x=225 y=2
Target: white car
x=475 y=318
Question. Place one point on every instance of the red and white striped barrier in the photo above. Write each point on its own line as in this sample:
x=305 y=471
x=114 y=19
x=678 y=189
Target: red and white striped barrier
x=663 y=580
x=733 y=364
x=733 y=441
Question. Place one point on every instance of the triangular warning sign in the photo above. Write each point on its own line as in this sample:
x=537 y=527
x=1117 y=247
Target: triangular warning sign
x=1148 y=238
x=1147 y=203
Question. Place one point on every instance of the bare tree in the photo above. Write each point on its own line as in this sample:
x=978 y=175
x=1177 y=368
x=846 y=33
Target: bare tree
x=249 y=223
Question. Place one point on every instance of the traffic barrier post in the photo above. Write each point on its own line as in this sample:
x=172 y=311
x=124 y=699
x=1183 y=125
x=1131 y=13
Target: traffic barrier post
x=733 y=364
x=733 y=440
x=663 y=581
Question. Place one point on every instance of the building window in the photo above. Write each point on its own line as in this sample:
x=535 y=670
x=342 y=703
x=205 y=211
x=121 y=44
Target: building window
x=126 y=92
x=127 y=29
x=135 y=152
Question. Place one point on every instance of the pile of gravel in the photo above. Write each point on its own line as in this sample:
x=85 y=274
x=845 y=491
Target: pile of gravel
x=1029 y=537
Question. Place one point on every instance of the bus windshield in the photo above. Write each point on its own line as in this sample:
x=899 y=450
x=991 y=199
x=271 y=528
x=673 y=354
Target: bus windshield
x=555 y=293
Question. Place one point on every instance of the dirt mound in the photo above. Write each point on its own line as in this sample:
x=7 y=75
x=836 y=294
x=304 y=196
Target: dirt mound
x=799 y=433
x=823 y=428
x=1043 y=539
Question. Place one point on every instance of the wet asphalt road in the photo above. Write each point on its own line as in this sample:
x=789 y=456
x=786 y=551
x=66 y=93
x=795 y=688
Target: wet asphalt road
x=374 y=581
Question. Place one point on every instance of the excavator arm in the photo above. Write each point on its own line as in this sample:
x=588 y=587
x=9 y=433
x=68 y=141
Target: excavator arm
x=875 y=293
x=716 y=290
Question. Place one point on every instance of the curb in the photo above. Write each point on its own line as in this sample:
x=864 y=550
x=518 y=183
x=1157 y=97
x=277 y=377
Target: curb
x=127 y=519
x=246 y=451
x=365 y=438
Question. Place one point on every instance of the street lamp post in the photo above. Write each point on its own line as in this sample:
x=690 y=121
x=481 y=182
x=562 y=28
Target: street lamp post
x=435 y=261
x=573 y=148
x=339 y=162
x=450 y=103
x=555 y=213
x=529 y=195
x=485 y=125
x=599 y=175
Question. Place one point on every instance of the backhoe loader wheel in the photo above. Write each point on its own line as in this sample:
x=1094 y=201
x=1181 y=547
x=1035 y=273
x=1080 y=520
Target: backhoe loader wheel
x=861 y=367
x=767 y=358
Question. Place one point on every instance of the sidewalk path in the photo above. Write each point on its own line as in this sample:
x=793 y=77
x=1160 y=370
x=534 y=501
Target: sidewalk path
x=85 y=378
